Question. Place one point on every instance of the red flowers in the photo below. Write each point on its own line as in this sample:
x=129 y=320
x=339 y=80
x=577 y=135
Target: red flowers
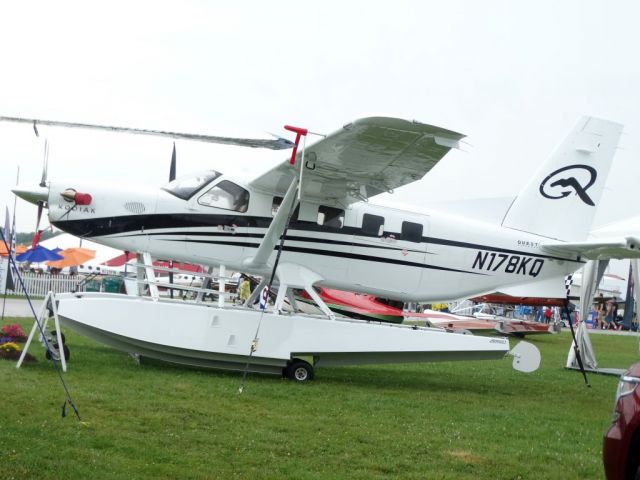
x=14 y=331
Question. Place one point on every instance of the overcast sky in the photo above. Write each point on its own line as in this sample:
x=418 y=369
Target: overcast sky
x=513 y=76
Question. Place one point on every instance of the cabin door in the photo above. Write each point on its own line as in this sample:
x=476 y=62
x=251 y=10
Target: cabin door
x=388 y=254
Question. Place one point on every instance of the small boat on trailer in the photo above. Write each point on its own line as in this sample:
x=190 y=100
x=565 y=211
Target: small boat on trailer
x=207 y=335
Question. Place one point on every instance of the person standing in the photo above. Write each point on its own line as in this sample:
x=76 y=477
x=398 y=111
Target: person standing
x=608 y=319
x=539 y=314
x=600 y=310
x=244 y=289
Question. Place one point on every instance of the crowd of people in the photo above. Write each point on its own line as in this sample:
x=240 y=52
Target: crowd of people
x=604 y=315
x=546 y=314
x=607 y=317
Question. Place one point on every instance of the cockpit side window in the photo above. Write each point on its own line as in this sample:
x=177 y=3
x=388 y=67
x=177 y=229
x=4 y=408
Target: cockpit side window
x=226 y=195
x=186 y=187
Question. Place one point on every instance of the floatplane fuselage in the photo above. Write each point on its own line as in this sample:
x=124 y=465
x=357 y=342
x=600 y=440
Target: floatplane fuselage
x=385 y=251
x=338 y=239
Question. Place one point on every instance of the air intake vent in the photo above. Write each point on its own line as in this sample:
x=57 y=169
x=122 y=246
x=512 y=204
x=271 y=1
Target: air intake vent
x=135 y=207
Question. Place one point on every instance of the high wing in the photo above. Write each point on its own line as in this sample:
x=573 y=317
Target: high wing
x=273 y=144
x=362 y=159
x=617 y=247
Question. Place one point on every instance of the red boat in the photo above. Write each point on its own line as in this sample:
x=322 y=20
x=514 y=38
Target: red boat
x=529 y=301
x=454 y=323
x=370 y=307
x=359 y=305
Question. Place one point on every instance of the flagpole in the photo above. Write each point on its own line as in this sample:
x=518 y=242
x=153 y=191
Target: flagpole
x=12 y=241
x=4 y=297
x=11 y=245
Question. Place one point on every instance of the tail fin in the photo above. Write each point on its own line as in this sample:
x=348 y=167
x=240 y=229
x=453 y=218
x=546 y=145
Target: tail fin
x=561 y=199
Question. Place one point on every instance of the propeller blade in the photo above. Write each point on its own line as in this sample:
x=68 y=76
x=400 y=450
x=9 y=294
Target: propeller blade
x=172 y=169
x=40 y=208
x=275 y=144
x=43 y=180
x=45 y=164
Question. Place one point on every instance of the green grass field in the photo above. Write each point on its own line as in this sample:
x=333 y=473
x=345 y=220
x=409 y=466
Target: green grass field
x=441 y=420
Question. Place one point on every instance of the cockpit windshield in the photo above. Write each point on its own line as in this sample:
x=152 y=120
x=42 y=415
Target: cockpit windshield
x=186 y=187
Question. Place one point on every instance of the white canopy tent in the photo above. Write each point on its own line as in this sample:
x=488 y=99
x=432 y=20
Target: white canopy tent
x=591 y=276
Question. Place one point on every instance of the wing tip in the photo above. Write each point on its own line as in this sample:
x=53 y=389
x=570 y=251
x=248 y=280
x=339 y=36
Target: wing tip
x=409 y=125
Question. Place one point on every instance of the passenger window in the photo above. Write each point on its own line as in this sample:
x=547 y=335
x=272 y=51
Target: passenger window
x=226 y=195
x=330 y=217
x=411 y=232
x=275 y=206
x=372 y=225
x=277 y=201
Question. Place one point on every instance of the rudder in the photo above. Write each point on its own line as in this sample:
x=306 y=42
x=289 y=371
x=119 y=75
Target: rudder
x=561 y=199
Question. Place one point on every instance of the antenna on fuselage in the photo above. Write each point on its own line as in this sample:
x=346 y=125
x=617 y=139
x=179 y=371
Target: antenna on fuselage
x=172 y=168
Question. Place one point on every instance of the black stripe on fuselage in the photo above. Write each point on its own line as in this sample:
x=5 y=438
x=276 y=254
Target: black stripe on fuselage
x=289 y=237
x=335 y=253
x=134 y=225
x=455 y=243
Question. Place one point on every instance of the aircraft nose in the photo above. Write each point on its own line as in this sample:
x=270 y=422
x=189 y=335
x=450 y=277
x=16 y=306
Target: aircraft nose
x=32 y=194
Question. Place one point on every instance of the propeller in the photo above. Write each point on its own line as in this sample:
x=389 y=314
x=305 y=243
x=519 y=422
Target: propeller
x=172 y=168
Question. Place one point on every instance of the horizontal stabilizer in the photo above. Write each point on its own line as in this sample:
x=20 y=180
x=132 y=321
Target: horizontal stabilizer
x=548 y=288
x=620 y=247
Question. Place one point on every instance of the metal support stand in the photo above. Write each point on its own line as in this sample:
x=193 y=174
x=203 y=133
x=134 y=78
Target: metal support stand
x=151 y=276
x=41 y=322
x=256 y=293
x=297 y=276
x=323 y=306
x=292 y=300
x=206 y=284
x=144 y=258
x=221 y=285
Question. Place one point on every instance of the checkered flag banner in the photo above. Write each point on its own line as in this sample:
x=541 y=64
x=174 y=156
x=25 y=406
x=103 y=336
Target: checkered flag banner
x=568 y=281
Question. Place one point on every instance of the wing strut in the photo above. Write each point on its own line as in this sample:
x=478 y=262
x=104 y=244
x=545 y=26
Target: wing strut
x=276 y=229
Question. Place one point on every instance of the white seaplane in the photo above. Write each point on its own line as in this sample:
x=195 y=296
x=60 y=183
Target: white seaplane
x=334 y=237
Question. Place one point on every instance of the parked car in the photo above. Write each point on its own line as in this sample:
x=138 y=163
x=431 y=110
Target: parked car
x=621 y=449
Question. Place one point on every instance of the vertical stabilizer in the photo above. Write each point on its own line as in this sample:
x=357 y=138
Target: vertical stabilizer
x=561 y=199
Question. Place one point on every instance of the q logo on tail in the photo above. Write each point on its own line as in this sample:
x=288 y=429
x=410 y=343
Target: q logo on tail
x=564 y=181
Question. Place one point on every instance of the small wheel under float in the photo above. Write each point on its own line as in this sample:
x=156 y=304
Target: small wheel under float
x=299 y=371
